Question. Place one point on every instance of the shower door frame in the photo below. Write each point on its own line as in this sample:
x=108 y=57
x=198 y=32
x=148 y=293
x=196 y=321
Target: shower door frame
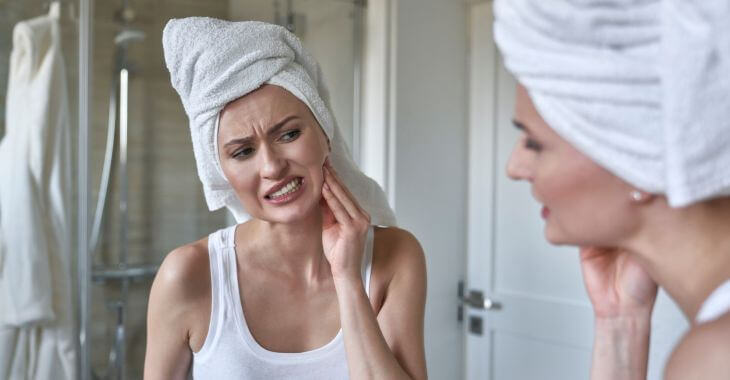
x=83 y=259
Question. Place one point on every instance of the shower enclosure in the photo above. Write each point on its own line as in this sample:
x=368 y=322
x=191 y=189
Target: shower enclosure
x=136 y=192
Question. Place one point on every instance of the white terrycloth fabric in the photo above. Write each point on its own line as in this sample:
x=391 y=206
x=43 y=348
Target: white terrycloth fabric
x=213 y=62
x=36 y=325
x=640 y=86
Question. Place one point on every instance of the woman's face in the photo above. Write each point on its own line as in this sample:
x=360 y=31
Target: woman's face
x=272 y=150
x=584 y=204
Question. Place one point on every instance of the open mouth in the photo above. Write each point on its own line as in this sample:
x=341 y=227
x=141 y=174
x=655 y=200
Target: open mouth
x=286 y=190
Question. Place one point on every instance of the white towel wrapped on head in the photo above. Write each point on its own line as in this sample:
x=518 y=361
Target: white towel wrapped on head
x=640 y=86
x=214 y=62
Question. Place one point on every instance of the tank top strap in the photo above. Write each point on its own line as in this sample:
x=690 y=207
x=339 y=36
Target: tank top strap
x=717 y=304
x=230 y=270
x=219 y=243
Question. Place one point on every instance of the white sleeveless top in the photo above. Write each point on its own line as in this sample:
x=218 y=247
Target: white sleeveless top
x=230 y=350
x=717 y=304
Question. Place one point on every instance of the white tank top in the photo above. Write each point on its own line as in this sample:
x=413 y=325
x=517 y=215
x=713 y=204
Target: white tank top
x=230 y=350
x=717 y=304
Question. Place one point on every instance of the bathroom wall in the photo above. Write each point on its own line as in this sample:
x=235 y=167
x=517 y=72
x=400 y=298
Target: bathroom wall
x=166 y=208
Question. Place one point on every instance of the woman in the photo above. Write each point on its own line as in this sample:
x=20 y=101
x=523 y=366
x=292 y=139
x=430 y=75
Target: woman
x=625 y=115
x=305 y=287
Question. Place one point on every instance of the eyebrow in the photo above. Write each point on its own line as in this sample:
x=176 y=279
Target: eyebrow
x=273 y=130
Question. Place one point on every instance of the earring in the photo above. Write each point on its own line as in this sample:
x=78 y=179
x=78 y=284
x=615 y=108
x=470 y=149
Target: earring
x=637 y=196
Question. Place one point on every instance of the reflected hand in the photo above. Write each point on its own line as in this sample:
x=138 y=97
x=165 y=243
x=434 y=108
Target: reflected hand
x=617 y=284
x=345 y=226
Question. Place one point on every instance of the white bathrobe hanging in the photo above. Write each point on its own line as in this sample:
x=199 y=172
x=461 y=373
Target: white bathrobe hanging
x=36 y=326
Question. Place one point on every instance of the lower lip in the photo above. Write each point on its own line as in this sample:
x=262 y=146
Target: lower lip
x=545 y=212
x=287 y=198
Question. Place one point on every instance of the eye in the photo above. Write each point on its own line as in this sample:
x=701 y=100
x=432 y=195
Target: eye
x=290 y=135
x=243 y=153
x=531 y=144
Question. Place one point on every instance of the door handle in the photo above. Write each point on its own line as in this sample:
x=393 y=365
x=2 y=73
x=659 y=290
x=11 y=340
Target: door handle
x=476 y=300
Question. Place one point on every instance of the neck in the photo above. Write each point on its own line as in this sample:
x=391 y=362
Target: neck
x=292 y=249
x=686 y=250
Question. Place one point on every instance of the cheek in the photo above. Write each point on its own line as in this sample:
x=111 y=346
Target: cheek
x=557 y=184
x=315 y=171
x=241 y=177
x=309 y=155
x=586 y=205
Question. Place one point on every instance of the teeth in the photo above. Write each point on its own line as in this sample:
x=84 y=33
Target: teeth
x=289 y=188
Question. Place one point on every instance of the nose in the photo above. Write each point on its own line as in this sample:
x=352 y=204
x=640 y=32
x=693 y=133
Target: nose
x=271 y=163
x=518 y=166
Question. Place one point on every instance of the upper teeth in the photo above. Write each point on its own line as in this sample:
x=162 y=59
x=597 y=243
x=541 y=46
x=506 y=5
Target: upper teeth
x=290 y=187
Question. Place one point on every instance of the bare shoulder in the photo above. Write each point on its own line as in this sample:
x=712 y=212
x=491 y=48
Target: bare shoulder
x=184 y=276
x=397 y=245
x=702 y=353
x=397 y=253
x=178 y=305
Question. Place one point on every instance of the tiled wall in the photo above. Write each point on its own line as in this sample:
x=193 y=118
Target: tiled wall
x=165 y=200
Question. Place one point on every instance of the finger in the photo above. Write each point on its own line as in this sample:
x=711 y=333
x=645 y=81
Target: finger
x=343 y=196
x=351 y=196
x=336 y=207
x=328 y=217
x=344 y=187
x=337 y=178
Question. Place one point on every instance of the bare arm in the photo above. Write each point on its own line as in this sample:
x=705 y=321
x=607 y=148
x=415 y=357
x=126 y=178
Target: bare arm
x=623 y=295
x=621 y=348
x=391 y=346
x=176 y=291
x=394 y=348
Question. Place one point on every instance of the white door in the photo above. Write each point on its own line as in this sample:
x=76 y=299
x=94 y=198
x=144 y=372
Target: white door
x=414 y=142
x=540 y=326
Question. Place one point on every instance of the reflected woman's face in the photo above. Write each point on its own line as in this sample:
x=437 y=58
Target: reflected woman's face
x=272 y=151
x=584 y=204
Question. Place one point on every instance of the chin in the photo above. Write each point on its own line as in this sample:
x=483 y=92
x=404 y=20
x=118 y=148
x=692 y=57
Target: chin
x=292 y=213
x=554 y=240
x=556 y=236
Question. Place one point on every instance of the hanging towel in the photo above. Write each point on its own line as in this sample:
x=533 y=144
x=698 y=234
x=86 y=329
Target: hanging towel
x=214 y=62
x=36 y=326
x=640 y=86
